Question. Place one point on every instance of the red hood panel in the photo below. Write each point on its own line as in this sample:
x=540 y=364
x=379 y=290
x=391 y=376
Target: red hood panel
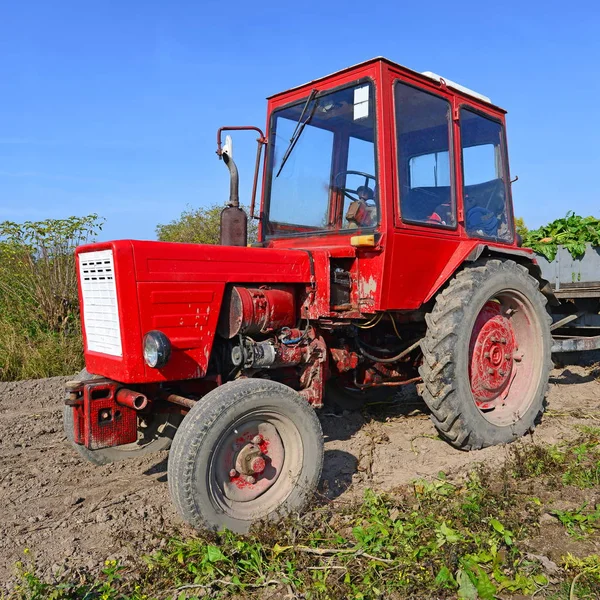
x=178 y=289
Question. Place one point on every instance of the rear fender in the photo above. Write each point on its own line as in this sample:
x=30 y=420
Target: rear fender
x=467 y=253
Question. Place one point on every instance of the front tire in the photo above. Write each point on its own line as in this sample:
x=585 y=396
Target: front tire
x=486 y=355
x=243 y=421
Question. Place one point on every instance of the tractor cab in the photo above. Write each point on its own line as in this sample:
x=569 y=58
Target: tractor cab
x=378 y=148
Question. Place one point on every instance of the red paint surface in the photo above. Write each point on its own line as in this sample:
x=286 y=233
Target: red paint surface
x=94 y=432
x=491 y=352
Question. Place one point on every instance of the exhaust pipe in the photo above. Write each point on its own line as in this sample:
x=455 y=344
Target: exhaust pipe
x=234 y=221
x=131 y=399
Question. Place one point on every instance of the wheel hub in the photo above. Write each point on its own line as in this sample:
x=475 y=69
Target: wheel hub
x=252 y=461
x=492 y=352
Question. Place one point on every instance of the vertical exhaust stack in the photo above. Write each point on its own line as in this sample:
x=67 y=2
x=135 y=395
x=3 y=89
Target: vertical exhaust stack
x=234 y=221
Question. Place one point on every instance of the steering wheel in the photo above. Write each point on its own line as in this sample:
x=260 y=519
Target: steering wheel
x=349 y=192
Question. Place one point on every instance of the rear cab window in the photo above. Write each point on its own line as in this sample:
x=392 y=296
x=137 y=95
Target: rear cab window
x=485 y=189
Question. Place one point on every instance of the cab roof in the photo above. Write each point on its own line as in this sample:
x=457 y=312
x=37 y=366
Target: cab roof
x=426 y=76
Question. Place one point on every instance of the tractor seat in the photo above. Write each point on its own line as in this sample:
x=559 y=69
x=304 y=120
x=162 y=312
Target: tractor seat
x=418 y=204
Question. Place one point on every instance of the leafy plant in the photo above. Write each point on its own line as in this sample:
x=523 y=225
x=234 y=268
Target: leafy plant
x=572 y=232
x=579 y=522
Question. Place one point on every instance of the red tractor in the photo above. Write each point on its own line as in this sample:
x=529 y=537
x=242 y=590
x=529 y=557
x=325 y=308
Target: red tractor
x=386 y=254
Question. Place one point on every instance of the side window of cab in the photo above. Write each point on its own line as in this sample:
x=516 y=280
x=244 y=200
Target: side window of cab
x=423 y=133
x=485 y=189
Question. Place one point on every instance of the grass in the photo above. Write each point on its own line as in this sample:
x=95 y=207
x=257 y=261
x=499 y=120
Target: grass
x=34 y=354
x=39 y=313
x=434 y=539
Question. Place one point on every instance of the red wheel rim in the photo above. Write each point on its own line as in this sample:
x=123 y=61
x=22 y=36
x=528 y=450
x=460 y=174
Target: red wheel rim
x=504 y=353
x=255 y=465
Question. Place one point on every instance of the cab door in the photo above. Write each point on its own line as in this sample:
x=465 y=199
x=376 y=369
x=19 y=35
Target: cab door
x=426 y=232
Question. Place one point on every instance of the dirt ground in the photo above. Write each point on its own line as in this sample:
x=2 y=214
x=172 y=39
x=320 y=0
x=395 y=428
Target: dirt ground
x=71 y=515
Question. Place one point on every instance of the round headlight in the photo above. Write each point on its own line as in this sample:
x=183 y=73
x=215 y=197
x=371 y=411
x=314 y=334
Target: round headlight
x=157 y=349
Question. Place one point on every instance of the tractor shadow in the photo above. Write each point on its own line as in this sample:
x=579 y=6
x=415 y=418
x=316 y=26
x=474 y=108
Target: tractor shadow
x=342 y=424
x=338 y=468
x=159 y=469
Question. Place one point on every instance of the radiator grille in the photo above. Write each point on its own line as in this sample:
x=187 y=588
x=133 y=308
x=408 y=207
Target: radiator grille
x=100 y=306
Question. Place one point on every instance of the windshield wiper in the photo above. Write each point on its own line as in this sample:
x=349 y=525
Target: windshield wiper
x=299 y=129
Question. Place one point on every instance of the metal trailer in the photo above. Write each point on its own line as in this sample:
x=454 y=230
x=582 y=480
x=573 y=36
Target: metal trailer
x=575 y=283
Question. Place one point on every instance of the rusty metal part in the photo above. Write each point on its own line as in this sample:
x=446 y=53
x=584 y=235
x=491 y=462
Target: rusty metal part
x=364 y=386
x=177 y=399
x=234 y=227
x=100 y=421
x=259 y=148
x=314 y=375
x=580 y=344
x=256 y=310
x=132 y=399
x=250 y=460
x=261 y=141
x=344 y=358
x=259 y=464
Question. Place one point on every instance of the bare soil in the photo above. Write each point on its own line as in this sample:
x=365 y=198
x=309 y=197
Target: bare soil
x=71 y=515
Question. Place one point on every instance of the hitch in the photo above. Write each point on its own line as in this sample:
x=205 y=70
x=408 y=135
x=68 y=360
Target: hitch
x=104 y=413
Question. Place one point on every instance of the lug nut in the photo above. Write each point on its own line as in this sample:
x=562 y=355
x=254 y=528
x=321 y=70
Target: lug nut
x=491 y=372
x=249 y=479
x=257 y=439
x=503 y=340
x=486 y=354
x=233 y=473
x=257 y=465
x=502 y=373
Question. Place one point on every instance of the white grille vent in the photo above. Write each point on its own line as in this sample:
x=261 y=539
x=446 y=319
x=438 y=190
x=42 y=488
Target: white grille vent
x=100 y=306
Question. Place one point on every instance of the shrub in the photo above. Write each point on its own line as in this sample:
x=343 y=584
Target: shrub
x=39 y=310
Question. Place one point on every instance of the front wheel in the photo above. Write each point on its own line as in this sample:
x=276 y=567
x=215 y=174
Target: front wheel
x=486 y=355
x=250 y=449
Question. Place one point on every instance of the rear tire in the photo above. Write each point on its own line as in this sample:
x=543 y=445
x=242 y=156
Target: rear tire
x=205 y=486
x=486 y=355
x=156 y=437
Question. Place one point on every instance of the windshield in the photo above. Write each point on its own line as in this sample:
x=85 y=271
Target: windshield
x=322 y=166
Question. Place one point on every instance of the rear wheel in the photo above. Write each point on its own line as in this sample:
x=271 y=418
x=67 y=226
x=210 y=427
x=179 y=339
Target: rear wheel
x=486 y=355
x=156 y=433
x=251 y=449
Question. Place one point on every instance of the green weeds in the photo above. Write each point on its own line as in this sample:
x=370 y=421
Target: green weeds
x=579 y=522
x=434 y=539
x=576 y=464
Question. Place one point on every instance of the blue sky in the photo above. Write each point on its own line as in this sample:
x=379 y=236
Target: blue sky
x=112 y=107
